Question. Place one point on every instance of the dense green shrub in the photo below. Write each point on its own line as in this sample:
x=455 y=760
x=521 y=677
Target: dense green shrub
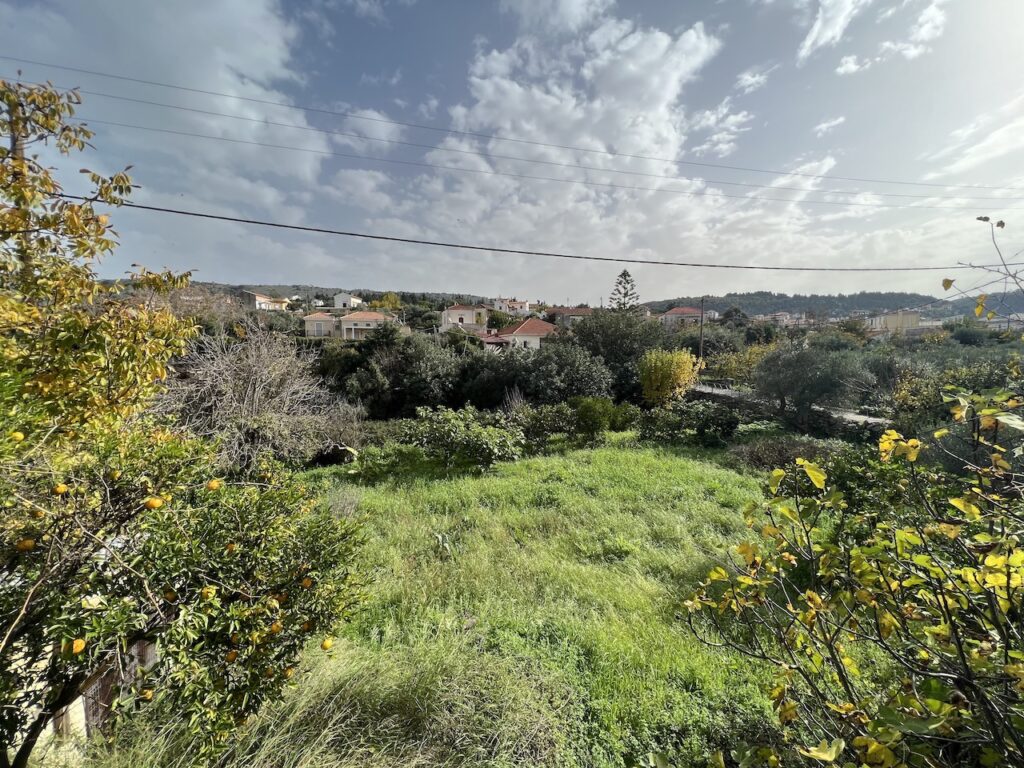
x=542 y=422
x=701 y=421
x=465 y=438
x=593 y=415
x=625 y=417
x=713 y=424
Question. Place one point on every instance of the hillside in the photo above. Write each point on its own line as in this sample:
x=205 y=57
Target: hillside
x=765 y=302
x=528 y=617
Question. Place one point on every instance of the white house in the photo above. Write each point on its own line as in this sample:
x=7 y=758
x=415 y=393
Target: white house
x=255 y=300
x=528 y=333
x=512 y=307
x=345 y=300
x=354 y=326
x=470 y=318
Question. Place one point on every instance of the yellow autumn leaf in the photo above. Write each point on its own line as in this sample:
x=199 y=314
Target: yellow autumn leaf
x=814 y=472
x=825 y=752
x=973 y=511
x=775 y=480
x=940 y=433
x=947 y=284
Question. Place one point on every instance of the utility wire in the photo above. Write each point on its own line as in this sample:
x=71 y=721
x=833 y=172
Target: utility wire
x=510 y=174
x=494 y=137
x=517 y=158
x=522 y=252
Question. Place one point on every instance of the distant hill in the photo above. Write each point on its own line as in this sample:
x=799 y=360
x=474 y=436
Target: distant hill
x=765 y=302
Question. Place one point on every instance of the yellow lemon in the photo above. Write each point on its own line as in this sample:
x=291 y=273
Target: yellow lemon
x=154 y=502
x=327 y=644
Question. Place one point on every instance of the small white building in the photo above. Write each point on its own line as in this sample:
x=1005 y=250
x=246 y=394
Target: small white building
x=262 y=302
x=470 y=318
x=512 y=307
x=345 y=300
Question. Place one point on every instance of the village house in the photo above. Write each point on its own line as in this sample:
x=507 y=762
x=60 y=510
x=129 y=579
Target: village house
x=528 y=333
x=512 y=307
x=681 y=316
x=353 y=327
x=566 y=316
x=470 y=318
x=345 y=300
x=259 y=301
x=899 y=320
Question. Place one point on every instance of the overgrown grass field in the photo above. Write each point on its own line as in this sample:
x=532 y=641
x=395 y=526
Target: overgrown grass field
x=527 y=617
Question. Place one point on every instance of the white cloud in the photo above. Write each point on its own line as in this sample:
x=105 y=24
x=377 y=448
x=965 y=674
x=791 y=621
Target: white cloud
x=827 y=126
x=754 y=78
x=989 y=137
x=850 y=64
x=382 y=78
x=724 y=127
x=428 y=108
x=929 y=26
x=830 y=23
x=556 y=15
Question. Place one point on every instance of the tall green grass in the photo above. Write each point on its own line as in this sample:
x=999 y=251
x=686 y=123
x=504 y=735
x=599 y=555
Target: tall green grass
x=529 y=617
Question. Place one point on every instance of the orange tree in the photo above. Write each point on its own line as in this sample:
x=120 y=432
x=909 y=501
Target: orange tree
x=889 y=597
x=115 y=528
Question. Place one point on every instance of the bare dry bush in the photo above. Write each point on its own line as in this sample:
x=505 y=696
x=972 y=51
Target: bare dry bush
x=258 y=394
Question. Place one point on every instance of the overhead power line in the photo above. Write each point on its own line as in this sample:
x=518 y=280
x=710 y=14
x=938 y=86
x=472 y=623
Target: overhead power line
x=518 y=158
x=523 y=252
x=495 y=137
x=527 y=176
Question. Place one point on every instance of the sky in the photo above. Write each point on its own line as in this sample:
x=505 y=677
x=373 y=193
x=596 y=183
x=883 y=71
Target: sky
x=717 y=131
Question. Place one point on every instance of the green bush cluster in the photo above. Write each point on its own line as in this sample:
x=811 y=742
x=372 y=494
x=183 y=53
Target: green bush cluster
x=705 y=423
x=465 y=438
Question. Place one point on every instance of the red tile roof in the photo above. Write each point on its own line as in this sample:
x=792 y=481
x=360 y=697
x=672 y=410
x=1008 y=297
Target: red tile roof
x=367 y=316
x=318 y=314
x=531 y=326
x=683 y=311
x=466 y=307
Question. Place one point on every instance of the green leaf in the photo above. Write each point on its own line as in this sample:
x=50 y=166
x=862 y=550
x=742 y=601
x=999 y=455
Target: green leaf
x=775 y=480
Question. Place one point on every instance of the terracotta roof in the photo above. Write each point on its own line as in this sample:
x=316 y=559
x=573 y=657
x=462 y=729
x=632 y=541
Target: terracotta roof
x=318 y=314
x=683 y=311
x=495 y=339
x=531 y=326
x=365 y=316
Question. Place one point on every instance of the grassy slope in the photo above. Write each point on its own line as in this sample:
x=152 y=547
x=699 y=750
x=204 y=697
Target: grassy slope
x=528 y=617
